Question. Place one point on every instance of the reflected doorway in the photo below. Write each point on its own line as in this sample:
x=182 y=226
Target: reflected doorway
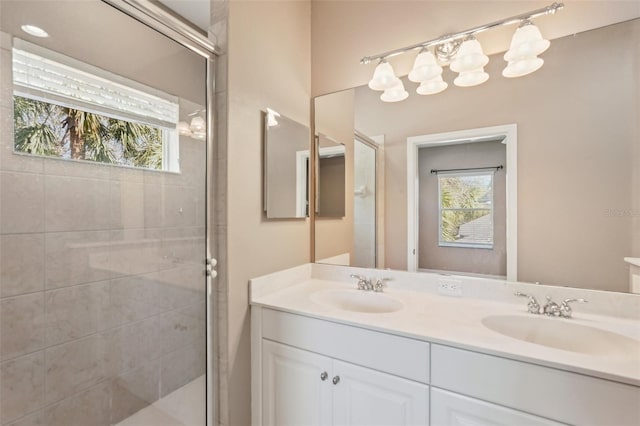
x=365 y=198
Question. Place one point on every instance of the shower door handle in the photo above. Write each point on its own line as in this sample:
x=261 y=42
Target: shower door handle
x=211 y=263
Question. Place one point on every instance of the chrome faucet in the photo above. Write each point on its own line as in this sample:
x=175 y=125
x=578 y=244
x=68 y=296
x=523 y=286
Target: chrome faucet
x=364 y=283
x=565 y=309
x=379 y=285
x=532 y=306
x=551 y=308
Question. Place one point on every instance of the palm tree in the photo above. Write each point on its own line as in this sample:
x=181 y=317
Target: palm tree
x=42 y=128
x=33 y=127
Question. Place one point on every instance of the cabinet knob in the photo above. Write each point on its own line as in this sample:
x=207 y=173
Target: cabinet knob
x=336 y=380
x=324 y=376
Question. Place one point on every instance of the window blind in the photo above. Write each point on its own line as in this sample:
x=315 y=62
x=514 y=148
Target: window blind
x=61 y=80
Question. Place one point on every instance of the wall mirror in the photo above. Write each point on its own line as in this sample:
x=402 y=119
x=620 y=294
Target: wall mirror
x=330 y=190
x=286 y=167
x=564 y=208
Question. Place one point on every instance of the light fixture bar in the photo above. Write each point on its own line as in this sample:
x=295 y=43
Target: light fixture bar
x=549 y=10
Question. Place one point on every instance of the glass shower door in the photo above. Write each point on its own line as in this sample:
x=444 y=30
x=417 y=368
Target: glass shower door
x=103 y=175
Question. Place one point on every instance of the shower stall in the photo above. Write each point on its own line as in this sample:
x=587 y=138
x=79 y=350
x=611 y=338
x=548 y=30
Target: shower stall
x=105 y=258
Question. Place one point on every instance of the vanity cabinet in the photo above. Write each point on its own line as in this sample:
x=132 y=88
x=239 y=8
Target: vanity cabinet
x=315 y=372
x=451 y=409
x=304 y=388
x=387 y=379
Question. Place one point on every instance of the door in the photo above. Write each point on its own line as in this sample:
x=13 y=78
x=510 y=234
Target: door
x=364 y=205
x=451 y=409
x=103 y=222
x=367 y=397
x=296 y=386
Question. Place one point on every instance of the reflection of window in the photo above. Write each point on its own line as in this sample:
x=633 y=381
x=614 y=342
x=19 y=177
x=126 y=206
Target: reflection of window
x=67 y=109
x=466 y=209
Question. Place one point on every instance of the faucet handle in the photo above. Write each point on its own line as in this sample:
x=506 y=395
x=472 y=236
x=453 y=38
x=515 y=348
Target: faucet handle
x=551 y=308
x=533 y=306
x=362 y=281
x=565 y=309
x=379 y=285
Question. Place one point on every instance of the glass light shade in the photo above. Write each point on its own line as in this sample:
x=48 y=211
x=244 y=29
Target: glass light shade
x=425 y=67
x=471 y=78
x=383 y=77
x=199 y=135
x=469 y=57
x=395 y=94
x=522 y=67
x=431 y=87
x=183 y=128
x=197 y=124
x=526 y=43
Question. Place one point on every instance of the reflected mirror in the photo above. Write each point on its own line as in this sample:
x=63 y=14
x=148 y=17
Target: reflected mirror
x=564 y=208
x=286 y=167
x=330 y=181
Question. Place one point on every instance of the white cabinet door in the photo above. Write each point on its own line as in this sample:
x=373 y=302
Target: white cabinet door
x=367 y=397
x=452 y=409
x=294 y=393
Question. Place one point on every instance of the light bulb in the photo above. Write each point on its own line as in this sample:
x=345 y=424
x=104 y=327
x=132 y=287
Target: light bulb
x=34 y=31
x=471 y=78
x=527 y=42
x=395 y=94
x=522 y=67
x=469 y=57
x=431 y=87
x=197 y=124
x=425 y=67
x=183 y=128
x=383 y=77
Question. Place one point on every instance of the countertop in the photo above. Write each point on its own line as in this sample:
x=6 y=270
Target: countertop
x=457 y=322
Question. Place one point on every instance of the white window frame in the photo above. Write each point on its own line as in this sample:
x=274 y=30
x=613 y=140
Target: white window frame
x=152 y=106
x=442 y=243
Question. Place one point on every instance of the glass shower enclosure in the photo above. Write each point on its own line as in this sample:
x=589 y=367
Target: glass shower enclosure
x=104 y=133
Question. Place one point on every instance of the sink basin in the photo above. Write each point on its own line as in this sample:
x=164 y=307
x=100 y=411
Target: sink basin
x=563 y=334
x=357 y=301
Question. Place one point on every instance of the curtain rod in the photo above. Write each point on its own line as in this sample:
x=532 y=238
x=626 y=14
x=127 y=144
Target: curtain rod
x=436 y=171
x=549 y=10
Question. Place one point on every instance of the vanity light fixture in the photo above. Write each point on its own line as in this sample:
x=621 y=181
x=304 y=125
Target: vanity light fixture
x=195 y=129
x=34 y=31
x=464 y=55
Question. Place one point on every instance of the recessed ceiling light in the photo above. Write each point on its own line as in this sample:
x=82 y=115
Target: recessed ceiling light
x=34 y=31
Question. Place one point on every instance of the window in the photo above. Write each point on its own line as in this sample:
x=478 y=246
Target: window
x=67 y=109
x=466 y=209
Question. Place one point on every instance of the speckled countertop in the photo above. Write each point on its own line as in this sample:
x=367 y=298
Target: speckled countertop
x=452 y=321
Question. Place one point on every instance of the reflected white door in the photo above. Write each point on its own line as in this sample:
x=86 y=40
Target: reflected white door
x=364 y=205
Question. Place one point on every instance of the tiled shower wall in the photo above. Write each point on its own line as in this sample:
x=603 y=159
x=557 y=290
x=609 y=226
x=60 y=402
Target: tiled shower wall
x=102 y=301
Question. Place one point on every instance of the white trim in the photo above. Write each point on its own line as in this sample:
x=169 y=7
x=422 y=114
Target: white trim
x=331 y=151
x=302 y=158
x=414 y=143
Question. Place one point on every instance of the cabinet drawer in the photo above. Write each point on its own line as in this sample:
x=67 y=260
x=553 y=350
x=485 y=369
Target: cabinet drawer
x=396 y=355
x=566 y=397
x=451 y=409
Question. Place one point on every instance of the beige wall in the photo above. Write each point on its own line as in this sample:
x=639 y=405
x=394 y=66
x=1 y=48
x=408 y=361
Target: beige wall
x=345 y=31
x=431 y=255
x=577 y=126
x=334 y=118
x=269 y=66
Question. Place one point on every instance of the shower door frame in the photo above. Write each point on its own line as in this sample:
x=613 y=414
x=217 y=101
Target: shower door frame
x=159 y=19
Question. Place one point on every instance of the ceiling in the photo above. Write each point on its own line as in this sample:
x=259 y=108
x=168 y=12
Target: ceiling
x=197 y=12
